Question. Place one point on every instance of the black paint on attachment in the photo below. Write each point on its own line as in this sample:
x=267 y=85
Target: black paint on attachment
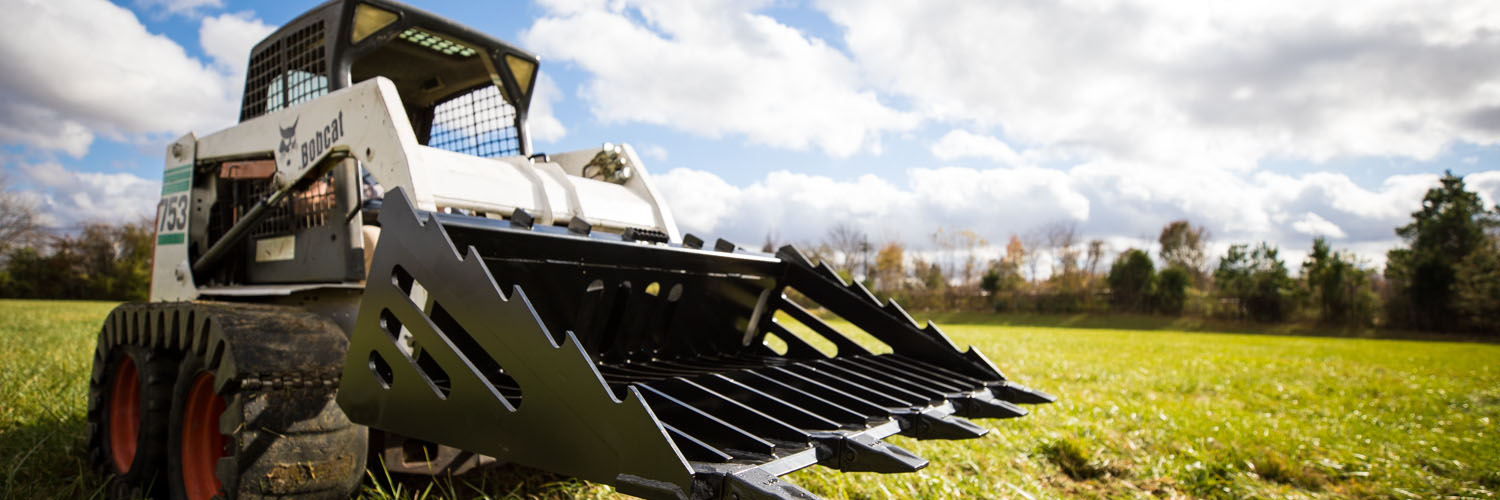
x=644 y=366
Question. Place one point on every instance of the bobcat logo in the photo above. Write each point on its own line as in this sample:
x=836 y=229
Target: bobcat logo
x=289 y=137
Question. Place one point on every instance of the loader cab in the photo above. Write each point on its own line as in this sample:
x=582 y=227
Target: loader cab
x=464 y=91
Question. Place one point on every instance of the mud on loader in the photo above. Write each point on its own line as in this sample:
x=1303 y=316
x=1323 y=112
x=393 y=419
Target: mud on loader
x=373 y=266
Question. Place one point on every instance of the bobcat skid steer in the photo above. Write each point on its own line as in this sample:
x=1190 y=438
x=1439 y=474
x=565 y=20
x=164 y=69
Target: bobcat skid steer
x=373 y=267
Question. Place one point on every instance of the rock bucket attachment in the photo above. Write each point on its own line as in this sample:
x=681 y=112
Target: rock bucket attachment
x=645 y=365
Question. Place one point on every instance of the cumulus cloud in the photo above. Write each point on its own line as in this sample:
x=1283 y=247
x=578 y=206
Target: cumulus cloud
x=1312 y=225
x=67 y=198
x=228 y=38
x=101 y=73
x=962 y=143
x=1216 y=84
x=715 y=69
x=1487 y=185
x=190 y=8
x=544 y=125
x=25 y=122
x=1126 y=210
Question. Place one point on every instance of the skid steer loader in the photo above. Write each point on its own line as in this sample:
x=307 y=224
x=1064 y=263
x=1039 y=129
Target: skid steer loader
x=374 y=266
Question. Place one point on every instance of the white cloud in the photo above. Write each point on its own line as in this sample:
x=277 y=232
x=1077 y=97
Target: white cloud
x=544 y=125
x=23 y=122
x=1126 y=205
x=962 y=143
x=1487 y=185
x=101 y=73
x=190 y=8
x=228 y=38
x=1312 y=225
x=699 y=200
x=655 y=152
x=715 y=69
x=1213 y=84
x=67 y=198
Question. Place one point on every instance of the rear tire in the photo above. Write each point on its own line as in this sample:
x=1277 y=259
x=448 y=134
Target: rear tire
x=272 y=441
x=129 y=405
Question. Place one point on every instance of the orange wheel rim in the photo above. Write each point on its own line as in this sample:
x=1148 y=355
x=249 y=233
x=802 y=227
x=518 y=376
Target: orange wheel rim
x=124 y=414
x=202 y=445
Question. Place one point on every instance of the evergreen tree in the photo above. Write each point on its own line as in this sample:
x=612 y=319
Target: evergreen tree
x=1132 y=278
x=1477 y=288
x=1171 y=290
x=1257 y=280
x=1336 y=286
x=1450 y=225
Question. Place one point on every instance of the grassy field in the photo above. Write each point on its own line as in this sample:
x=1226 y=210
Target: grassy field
x=1142 y=413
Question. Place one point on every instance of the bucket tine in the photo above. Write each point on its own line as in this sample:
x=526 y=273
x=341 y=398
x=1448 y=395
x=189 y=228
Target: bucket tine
x=1017 y=393
x=863 y=453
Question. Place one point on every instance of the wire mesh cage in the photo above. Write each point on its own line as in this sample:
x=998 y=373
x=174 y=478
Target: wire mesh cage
x=480 y=122
x=290 y=70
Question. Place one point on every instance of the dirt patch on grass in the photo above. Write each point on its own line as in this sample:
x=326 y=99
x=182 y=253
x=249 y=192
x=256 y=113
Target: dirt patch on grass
x=1275 y=467
x=1077 y=461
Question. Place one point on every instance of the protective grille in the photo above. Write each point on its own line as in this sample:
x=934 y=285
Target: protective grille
x=290 y=70
x=306 y=208
x=480 y=123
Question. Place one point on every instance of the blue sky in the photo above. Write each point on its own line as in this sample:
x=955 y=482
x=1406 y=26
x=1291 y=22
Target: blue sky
x=1276 y=121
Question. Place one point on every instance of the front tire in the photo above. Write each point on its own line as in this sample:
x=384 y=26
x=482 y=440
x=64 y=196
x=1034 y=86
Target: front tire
x=129 y=406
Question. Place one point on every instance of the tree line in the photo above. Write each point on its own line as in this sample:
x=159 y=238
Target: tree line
x=100 y=262
x=1445 y=276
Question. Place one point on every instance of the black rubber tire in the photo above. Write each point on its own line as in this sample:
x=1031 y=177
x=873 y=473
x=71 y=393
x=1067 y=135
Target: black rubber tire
x=155 y=370
x=286 y=442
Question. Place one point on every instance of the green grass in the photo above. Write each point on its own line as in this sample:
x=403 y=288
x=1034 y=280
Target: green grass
x=1157 y=413
x=45 y=359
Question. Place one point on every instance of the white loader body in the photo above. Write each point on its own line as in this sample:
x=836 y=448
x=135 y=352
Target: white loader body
x=366 y=121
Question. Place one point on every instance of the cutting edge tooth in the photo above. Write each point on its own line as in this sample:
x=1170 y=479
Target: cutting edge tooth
x=791 y=253
x=1017 y=393
x=864 y=453
x=864 y=293
x=985 y=406
x=936 y=425
x=894 y=308
x=828 y=272
x=756 y=484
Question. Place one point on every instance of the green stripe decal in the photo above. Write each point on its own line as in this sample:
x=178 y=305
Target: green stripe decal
x=170 y=238
x=183 y=168
x=179 y=176
x=173 y=187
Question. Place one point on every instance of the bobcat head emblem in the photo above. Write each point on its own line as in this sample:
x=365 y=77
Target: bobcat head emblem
x=289 y=137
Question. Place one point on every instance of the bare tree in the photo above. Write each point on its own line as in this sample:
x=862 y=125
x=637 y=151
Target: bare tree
x=18 y=222
x=1062 y=243
x=1096 y=251
x=943 y=240
x=817 y=252
x=959 y=252
x=1183 y=244
x=1032 y=242
x=852 y=245
x=970 y=242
